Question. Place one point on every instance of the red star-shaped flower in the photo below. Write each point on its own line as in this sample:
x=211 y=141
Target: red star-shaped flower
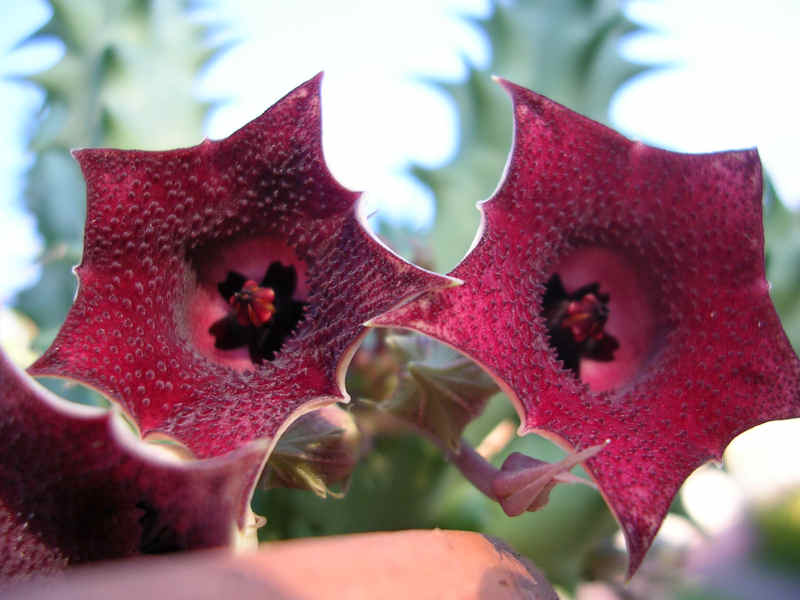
x=77 y=486
x=223 y=287
x=617 y=291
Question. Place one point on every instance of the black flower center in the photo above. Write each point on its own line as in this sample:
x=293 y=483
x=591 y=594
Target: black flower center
x=575 y=323
x=262 y=314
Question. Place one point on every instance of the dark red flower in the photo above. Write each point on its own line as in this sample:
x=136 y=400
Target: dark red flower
x=223 y=287
x=617 y=291
x=76 y=485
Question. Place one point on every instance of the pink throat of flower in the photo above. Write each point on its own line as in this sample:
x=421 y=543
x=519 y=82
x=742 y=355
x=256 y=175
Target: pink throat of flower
x=263 y=315
x=604 y=317
x=246 y=299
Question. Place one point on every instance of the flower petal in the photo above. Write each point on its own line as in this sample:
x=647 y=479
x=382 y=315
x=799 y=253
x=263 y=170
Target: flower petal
x=676 y=241
x=165 y=230
x=76 y=486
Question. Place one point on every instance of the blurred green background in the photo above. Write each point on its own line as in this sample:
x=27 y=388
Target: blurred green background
x=127 y=78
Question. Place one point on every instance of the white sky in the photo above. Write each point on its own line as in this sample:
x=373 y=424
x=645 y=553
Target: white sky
x=731 y=84
x=734 y=82
x=378 y=115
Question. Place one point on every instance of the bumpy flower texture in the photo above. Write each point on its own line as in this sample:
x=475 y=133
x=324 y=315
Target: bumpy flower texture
x=76 y=485
x=223 y=287
x=617 y=292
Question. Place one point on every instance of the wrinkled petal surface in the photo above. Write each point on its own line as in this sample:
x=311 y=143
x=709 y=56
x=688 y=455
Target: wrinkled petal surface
x=676 y=241
x=165 y=229
x=77 y=486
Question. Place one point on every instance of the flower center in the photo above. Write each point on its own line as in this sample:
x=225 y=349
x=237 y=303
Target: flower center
x=253 y=304
x=262 y=316
x=575 y=323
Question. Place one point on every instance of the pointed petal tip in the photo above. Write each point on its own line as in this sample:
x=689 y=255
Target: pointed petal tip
x=638 y=546
x=300 y=96
x=83 y=155
x=454 y=281
x=749 y=159
x=387 y=319
x=310 y=87
x=373 y=322
x=314 y=84
x=638 y=537
x=509 y=86
x=743 y=156
x=41 y=367
x=524 y=429
x=515 y=90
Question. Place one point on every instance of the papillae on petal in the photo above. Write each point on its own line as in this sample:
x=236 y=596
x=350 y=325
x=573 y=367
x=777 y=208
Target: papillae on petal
x=676 y=242
x=167 y=231
x=77 y=486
